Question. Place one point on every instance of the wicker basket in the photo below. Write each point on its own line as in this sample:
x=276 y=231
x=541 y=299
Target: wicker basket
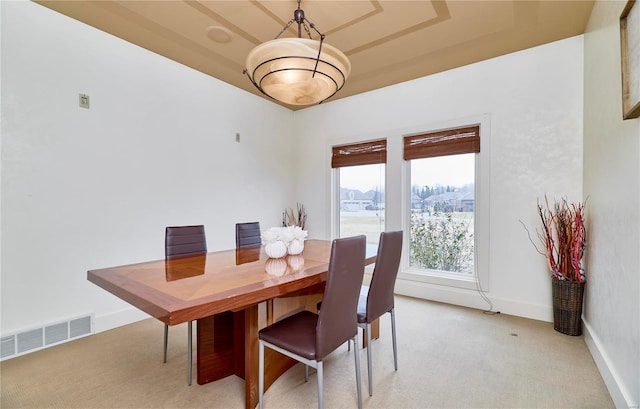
x=567 y=306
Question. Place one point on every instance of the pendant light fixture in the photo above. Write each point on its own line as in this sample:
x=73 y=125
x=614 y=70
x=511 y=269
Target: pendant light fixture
x=298 y=71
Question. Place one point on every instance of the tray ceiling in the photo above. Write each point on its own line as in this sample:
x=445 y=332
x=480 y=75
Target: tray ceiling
x=387 y=41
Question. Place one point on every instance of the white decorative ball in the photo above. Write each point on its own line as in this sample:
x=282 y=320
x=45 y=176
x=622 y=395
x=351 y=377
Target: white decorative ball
x=296 y=246
x=277 y=249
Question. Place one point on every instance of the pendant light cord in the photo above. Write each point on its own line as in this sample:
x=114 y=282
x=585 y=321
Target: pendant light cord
x=301 y=20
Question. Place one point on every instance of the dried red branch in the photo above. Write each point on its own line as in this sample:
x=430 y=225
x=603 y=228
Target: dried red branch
x=563 y=235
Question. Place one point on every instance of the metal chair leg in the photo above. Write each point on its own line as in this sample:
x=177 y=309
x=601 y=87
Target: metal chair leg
x=189 y=354
x=358 y=381
x=369 y=360
x=320 y=386
x=393 y=336
x=260 y=373
x=306 y=373
x=166 y=342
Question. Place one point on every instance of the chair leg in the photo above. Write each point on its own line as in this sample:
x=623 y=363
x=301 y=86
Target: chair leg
x=166 y=342
x=260 y=373
x=320 y=386
x=189 y=354
x=306 y=373
x=369 y=363
x=393 y=336
x=356 y=354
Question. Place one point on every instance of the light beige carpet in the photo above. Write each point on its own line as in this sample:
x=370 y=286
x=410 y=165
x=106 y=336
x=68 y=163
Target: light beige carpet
x=449 y=357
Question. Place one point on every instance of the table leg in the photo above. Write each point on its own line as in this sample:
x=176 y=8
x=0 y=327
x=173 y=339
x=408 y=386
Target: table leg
x=215 y=346
x=251 y=356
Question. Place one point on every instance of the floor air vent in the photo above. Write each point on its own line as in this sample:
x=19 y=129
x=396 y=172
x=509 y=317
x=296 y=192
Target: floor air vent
x=38 y=338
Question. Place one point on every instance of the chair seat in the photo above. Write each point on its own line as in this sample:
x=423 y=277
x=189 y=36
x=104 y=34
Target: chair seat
x=362 y=304
x=296 y=334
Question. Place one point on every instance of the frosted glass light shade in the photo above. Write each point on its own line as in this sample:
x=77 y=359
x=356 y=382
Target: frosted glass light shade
x=283 y=69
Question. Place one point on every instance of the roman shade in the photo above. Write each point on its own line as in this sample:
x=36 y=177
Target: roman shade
x=365 y=153
x=441 y=143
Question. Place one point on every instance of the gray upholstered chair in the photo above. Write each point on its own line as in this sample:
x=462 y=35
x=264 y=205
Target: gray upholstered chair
x=308 y=337
x=248 y=235
x=377 y=298
x=183 y=241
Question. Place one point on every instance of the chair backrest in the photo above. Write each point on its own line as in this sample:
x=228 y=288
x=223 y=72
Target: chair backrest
x=337 y=321
x=180 y=241
x=383 y=281
x=248 y=235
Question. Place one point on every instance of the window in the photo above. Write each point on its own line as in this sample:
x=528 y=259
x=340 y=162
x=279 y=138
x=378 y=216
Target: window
x=359 y=171
x=442 y=203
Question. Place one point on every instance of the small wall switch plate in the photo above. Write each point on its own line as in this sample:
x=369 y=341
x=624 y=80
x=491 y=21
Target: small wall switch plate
x=84 y=101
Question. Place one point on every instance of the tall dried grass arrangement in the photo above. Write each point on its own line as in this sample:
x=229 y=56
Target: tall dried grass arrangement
x=291 y=218
x=563 y=235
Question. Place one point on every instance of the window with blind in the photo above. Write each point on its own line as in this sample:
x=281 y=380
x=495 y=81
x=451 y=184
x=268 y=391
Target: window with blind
x=442 y=200
x=359 y=172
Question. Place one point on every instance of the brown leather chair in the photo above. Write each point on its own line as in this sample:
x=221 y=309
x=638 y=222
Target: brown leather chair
x=377 y=299
x=183 y=241
x=248 y=235
x=308 y=337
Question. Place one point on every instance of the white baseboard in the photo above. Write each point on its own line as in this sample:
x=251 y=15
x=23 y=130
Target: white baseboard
x=472 y=299
x=118 y=319
x=621 y=397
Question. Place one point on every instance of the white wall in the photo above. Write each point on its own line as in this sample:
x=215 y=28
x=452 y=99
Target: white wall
x=533 y=102
x=85 y=189
x=612 y=182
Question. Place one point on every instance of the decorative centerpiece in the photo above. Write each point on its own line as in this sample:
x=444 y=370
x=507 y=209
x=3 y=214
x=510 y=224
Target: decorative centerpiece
x=274 y=244
x=563 y=235
x=296 y=244
x=278 y=241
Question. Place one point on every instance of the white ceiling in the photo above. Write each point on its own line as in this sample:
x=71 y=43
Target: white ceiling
x=387 y=41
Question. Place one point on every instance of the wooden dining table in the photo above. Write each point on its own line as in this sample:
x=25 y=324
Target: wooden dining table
x=232 y=294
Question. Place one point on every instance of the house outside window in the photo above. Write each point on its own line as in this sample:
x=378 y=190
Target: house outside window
x=442 y=203
x=359 y=171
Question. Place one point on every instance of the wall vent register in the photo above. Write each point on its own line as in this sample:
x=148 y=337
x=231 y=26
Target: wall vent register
x=34 y=339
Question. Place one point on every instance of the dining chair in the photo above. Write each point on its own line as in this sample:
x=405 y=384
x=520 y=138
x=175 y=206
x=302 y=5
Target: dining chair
x=182 y=241
x=377 y=298
x=309 y=337
x=248 y=235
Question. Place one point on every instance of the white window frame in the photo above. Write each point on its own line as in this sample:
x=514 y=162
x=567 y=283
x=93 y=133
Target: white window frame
x=334 y=184
x=480 y=278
